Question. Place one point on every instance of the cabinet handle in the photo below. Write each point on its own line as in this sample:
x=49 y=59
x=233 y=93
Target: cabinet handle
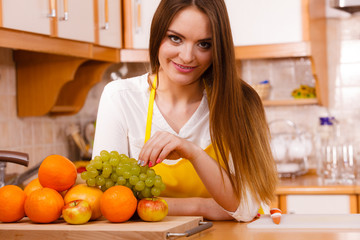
x=66 y=12
x=137 y=16
x=52 y=13
x=106 y=9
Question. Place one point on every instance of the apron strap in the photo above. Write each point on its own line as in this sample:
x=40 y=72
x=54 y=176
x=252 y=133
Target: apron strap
x=150 y=110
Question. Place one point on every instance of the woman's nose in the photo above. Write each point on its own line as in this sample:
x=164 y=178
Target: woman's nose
x=186 y=54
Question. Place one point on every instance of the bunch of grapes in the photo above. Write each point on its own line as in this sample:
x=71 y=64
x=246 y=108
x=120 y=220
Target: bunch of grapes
x=111 y=168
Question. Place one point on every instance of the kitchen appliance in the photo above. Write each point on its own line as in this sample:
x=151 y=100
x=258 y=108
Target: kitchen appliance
x=291 y=147
x=350 y=6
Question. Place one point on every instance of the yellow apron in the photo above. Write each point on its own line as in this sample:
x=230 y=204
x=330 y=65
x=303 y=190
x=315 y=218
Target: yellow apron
x=181 y=178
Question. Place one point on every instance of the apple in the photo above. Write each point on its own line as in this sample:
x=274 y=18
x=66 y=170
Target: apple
x=152 y=209
x=77 y=212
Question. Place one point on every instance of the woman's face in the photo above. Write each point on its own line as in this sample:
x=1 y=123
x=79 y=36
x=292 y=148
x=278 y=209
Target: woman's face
x=186 y=51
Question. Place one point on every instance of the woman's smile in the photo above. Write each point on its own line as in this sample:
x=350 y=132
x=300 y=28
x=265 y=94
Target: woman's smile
x=183 y=68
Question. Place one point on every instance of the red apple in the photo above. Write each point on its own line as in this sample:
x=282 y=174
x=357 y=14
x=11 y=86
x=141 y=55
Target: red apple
x=77 y=212
x=152 y=209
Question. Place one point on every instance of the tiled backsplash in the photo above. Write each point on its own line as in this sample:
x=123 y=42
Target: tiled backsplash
x=42 y=136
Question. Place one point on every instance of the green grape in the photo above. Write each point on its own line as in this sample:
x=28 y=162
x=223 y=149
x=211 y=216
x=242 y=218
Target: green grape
x=149 y=182
x=146 y=192
x=144 y=169
x=139 y=186
x=121 y=180
x=114 y=161
x=115 y=154
x=135 y=170
x=142 y=176
x=100 y=180
x=105 y=155
x=155 y=191
x=133 y=179
x=89 y=167
x=91 y=182
x=157 y=182
x=127 y=174
x=97 y=164
x=150 y=173
x=127 y=184
x=84 y=175
x=106 y=172
x=114 y=177
x=123 y=158
x=109 y=183
x=162 y=187
x=111 y=168
x=93 y=173
x=120 y=169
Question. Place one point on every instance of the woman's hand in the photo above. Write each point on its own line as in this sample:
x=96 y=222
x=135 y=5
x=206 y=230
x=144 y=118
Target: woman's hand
x=164 y=145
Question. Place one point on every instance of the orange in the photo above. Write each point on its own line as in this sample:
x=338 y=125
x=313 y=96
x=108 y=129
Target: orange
x=118 y=204
x=44 y=205
x=32 y=186
x=12 y=199
x=57 y=172
x=91 y=194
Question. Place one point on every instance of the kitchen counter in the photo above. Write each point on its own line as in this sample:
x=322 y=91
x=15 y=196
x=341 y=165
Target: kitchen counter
x=312 y=184
x=233 y=230
x=102 y=229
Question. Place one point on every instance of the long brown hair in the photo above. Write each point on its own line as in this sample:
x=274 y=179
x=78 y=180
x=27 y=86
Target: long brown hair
x=237 y=118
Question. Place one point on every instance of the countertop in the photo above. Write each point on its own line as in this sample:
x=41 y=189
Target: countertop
x=229 y=230
x=313 y=184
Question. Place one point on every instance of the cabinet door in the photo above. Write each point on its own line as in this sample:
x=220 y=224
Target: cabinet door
x=320 y=204
x=79 y=24
x=26 y=15
x=265 y=22
x=109 y=12
x=140 y=13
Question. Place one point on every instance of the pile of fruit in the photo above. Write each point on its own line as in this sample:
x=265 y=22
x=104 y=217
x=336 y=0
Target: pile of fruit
x=111 y=169
x=55 y=194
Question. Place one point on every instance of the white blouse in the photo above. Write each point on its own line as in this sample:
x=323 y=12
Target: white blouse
x=121 y=123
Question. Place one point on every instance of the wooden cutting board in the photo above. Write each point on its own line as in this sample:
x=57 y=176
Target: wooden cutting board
x=97 y=230
x=313 y=221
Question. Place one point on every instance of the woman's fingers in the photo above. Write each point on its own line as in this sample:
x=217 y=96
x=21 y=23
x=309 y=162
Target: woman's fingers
x=160 y=146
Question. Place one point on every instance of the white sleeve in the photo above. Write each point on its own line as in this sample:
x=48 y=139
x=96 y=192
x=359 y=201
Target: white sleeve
x=246 y=211
x=110 y=133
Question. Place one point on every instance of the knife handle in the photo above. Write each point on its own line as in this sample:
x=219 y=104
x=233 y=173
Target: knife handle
x=202 y=226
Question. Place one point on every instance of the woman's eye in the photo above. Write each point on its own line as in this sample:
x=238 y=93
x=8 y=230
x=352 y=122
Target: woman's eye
x=174 y=38
x=205 y=45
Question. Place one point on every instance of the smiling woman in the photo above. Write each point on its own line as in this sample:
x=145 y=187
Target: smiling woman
x=191 y=118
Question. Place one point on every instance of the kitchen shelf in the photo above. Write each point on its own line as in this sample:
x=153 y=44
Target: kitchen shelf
x=291 y=102
x=46 y=44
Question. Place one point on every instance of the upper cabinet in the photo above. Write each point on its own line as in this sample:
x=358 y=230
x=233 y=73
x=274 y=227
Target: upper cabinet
x=75 y=20
x=28 y=15
x=109 y=23
x=138 y=16
x=260 y=22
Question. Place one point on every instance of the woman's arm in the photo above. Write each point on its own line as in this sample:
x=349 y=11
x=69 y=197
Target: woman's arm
x=205 y=207
x=164 y=145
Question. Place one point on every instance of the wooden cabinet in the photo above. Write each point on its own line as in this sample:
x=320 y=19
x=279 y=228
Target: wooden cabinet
x=109 y=23
x=262 y=22
x=75 y=20
x=138 y=16
x=320 y=204
x=307 y=194
x=27 y=15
